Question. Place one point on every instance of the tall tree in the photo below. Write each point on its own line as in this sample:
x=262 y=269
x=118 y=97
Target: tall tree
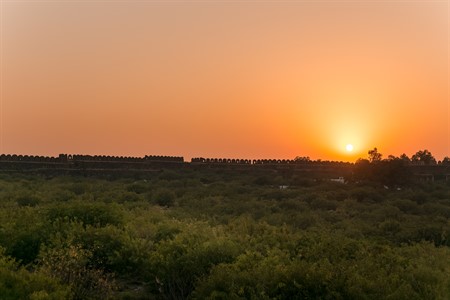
x=374 y=155
x=405 y=158
x=424 y=156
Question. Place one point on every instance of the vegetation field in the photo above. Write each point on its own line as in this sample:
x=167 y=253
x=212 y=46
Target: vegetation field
x=218 y=234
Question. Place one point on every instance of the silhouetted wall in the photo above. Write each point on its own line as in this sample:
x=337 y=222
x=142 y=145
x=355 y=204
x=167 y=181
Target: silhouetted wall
x=154 y=162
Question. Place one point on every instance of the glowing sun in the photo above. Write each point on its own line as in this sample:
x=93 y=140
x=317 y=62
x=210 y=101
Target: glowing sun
x=349 y=148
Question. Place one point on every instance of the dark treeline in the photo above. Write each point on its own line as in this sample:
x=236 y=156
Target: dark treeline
x=402 y=170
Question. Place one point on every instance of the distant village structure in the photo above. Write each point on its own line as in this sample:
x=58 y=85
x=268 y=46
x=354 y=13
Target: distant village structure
x=96 y=164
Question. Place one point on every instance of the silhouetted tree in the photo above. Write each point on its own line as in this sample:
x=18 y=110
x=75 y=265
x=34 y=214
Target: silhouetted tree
x=374 y=155
x=424 y=156
x=446 y=161
x=363 y=171
x=405 y=158
x=389 y=172
x=394 y=172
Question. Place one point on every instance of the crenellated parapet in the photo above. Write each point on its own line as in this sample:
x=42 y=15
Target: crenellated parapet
x=85 y=162
x=97 y=163
x=104 y=158
x=201 y=160
x=273 y=161
x=26 y=158
x=164 y=158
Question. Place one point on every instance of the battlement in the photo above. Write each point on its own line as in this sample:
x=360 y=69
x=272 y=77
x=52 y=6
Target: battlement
x=65 y=158
x=99 y=163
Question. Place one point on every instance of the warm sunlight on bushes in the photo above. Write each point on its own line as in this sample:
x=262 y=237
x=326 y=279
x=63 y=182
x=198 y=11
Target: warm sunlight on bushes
x=209 y=235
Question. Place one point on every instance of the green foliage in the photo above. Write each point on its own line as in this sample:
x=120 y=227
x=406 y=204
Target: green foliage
x=21 y=233
x=176 y=264
x=18 y=283
x=138 y=187
x=27 y=200
x=222 y=234
x=95 y=214
x=63 y=195
x=164 y=197
x=70 y=265
x=78 y=188
x=115 y=250
x=329 y=269
x=323 y=204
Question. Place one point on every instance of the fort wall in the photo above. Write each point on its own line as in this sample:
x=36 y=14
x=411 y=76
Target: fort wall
x=13 y=162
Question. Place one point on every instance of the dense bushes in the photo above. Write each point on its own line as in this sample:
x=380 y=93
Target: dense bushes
x=333 y=269
x=95 y=214
x=70 y=265
x=176 y=264
x=164 y=197
x=18 y=283
x=221 y=235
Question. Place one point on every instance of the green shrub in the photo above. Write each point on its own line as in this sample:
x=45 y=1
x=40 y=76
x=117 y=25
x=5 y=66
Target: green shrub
x=178 y=263
x=22 y=232
x=115 y=250
x=70 y=265
x=18 y=283
x=323 y=204
x=138 y=188
x=164 y=197
x=63 y=195
x=95 y=214
x=78 y=188
x=28 y=201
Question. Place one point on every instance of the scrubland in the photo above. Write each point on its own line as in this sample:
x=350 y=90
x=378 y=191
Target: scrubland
x=221 y=234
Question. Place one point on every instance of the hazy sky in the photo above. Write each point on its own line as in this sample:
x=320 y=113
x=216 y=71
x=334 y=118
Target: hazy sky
x=247 y=79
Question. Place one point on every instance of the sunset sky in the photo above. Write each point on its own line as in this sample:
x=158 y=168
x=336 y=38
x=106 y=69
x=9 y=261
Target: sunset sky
x=245 y=79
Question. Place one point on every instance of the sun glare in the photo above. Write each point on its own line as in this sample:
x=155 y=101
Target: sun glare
x=349 y=147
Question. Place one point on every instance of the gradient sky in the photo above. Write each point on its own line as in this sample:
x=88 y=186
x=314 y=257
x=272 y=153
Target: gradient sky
x=247 y=79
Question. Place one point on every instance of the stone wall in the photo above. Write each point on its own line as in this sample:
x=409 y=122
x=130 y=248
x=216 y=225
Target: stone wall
x=154 y=162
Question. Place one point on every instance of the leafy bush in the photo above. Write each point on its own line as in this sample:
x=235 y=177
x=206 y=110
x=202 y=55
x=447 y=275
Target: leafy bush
x=70 y=266
x=164 y=197
x=18 y=283
x=138 y=188
x=95 y=214
x=177 y=264
x=22 y=231
x=28 y=200
x=78 y=188
x=323 y=204
x=114 y=250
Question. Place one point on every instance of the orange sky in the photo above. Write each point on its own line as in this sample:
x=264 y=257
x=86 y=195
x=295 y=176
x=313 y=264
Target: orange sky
x=247 y=79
